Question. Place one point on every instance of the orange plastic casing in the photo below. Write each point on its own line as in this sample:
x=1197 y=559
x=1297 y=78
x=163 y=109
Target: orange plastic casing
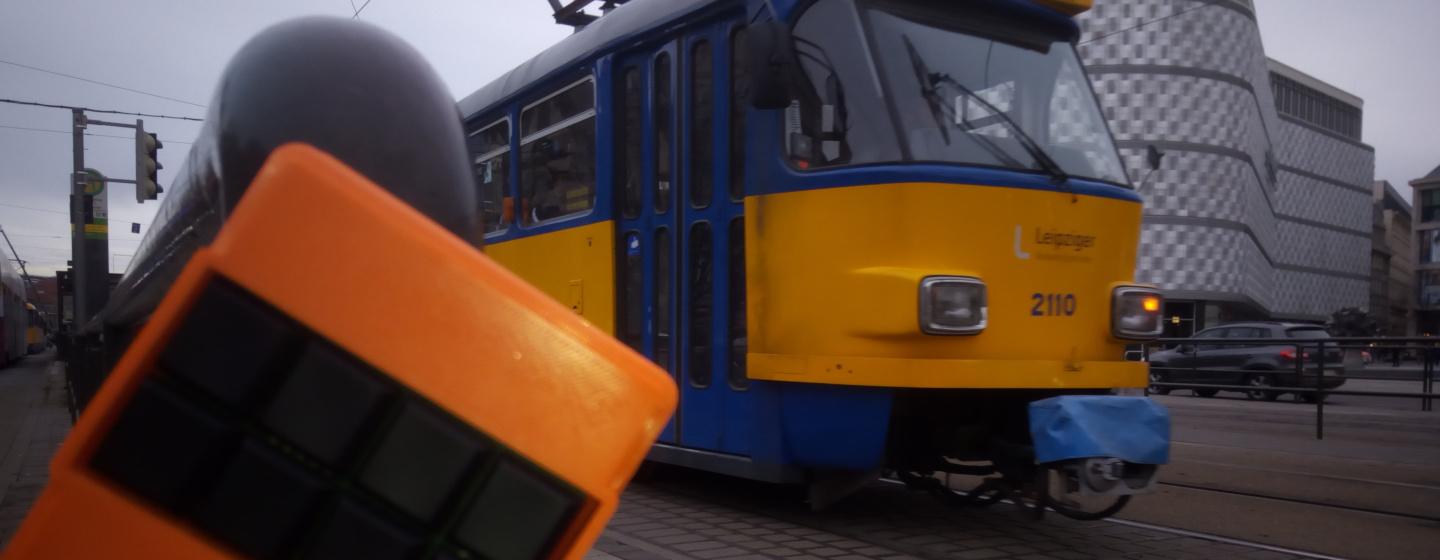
x=358 y=266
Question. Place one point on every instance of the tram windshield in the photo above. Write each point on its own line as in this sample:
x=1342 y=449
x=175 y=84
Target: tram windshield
x=889 y=81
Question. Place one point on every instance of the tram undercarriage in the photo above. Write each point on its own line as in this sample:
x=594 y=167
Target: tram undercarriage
x=988 y=433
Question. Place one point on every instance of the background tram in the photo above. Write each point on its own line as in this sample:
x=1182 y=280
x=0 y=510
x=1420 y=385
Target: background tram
x=761 y=196
x=37 y=330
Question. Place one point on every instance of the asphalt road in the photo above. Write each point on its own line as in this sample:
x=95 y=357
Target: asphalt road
x=1254 y=471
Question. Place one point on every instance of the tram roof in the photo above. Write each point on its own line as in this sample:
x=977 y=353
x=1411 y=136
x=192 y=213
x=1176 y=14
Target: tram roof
x=623 y=24
x=10 y=277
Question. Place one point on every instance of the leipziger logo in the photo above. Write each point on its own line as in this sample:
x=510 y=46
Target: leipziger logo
x=1057 y=240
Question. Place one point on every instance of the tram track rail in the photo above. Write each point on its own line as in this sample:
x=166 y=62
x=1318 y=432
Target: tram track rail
x=1300 y=501
x=1275 y=497
x=771 y=507
x=887 y=516
x=1215 y=537
x=1222 y=539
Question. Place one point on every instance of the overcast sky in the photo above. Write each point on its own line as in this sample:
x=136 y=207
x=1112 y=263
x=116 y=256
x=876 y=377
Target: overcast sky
x=1380 y=50
x=1384 y=51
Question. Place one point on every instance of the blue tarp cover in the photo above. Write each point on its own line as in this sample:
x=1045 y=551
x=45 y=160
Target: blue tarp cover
x=1135 y=429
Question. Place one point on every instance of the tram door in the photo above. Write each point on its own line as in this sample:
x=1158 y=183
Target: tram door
x=680 y=263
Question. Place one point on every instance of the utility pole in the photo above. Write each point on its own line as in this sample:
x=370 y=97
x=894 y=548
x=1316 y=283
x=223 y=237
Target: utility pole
x=81 y=206
x=89 y=223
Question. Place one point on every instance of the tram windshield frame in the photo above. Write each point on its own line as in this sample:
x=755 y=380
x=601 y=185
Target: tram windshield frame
x=887 y=81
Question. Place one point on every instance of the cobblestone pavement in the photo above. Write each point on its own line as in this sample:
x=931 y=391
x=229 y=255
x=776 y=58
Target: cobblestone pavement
x=698 y=516
x=681 y=514
x=34 y=420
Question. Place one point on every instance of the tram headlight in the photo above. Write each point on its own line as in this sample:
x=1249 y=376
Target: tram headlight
x=1136 y=313
x=952 y=305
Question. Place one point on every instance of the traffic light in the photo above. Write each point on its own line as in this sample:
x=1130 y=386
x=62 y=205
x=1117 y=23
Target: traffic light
x=147 y=164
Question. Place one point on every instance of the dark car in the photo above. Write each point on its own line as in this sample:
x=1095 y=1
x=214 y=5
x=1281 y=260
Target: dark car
x=1210 y=360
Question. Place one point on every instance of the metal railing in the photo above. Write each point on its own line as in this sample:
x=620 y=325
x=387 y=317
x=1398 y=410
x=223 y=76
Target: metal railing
x=1225 y=359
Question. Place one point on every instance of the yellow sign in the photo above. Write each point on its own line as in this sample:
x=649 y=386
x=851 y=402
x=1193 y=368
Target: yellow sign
x=97 y=218
x=94 y=182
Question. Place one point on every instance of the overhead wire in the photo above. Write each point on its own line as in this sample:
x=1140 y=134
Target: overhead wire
x=106 y=84
x=1143 y=24
x=66 y=237
x=115 y=219
x=34 y=209
x=92 y=110
x=362 y=8
x=31 y=129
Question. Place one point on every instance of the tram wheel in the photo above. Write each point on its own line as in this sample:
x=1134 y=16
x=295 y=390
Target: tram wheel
x=1080 y=508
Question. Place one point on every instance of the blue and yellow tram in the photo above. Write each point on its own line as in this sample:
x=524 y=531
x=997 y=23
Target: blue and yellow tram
x=859 y=234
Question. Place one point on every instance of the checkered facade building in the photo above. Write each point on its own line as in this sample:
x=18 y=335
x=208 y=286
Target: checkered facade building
x=1250 y=207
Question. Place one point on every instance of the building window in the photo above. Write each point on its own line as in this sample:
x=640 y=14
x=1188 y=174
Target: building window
x=1430 y=288
x=491 y=148
x=1429 y=205
x=557 y=154
x=1429 y=246
x=1312 y=106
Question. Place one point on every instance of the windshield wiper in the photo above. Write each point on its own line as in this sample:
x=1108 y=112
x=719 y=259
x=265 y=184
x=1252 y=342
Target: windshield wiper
x=930 y=90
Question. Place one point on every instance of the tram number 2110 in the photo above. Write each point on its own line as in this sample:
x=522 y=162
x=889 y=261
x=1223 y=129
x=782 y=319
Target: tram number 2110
x=1052 y=305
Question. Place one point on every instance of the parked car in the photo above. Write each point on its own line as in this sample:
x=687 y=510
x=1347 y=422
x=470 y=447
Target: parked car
x=1211 y=360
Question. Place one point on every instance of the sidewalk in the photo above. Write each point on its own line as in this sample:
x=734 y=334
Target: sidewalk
x=1407 y=371
x=33 y=421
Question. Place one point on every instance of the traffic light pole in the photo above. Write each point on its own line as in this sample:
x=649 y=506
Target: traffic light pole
x=90 y=284
x=90 y=237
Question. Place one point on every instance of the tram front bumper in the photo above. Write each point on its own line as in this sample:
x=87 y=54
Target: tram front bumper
x=1107 y=445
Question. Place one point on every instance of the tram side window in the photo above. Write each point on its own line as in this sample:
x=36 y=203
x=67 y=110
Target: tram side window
x=491 y=148
x=662 y=298
x=702 y=119
x=701 y=307
x=557 y=154
x=834 y=118
x=632 y=293
x=739 y=96
x=661 y=113
x=628 y=170
x=739 y=342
